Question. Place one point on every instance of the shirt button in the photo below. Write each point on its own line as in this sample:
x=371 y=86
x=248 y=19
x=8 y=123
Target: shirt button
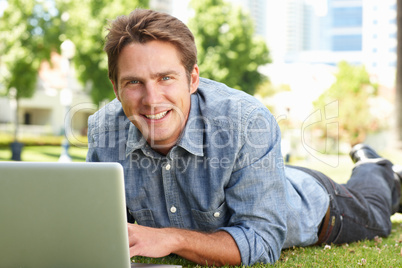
x=173 y=209
x=217 y=214
x=167 y=167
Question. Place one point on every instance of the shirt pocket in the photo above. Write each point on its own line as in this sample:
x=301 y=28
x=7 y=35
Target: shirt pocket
x=143 y=217
x=210 y=220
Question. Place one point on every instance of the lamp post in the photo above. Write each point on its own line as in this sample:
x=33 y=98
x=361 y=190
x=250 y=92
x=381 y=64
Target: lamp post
x=66 y=97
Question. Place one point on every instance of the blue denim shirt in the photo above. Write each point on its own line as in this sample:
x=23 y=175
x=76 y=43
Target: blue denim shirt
x=226 y=172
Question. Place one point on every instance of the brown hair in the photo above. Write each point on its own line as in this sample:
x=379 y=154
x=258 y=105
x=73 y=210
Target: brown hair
x=142 y=26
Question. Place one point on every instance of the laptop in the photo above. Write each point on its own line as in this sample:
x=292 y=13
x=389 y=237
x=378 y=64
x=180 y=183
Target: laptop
x=63 y=215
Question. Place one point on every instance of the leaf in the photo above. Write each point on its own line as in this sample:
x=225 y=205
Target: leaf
x=228 y=50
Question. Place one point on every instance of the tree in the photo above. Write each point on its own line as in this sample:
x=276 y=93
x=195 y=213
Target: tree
x=352 y=90
x=31 y=29
x=24 y=28
x=84 y=22
x=228 y=51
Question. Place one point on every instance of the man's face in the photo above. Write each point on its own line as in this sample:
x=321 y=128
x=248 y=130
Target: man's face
x=154 y=91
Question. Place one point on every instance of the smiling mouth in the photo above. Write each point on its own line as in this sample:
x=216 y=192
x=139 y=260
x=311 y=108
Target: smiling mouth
x=156 y=116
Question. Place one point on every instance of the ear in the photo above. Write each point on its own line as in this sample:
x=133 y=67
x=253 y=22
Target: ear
x=116 y=92
x=195 y=79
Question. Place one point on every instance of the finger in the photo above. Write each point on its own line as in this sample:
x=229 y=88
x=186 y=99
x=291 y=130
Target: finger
x=132 y=252
x=131 y=235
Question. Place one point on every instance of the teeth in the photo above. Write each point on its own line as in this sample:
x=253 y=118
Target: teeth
x=156 y=116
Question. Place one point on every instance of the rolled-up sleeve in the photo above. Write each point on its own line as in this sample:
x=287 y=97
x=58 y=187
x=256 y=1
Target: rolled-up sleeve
x=256 y=194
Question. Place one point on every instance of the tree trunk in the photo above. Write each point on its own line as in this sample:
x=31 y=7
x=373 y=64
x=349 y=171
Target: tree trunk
x=17 y=121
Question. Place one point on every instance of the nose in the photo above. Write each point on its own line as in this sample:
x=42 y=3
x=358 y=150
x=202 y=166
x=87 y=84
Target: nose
x=151 y=95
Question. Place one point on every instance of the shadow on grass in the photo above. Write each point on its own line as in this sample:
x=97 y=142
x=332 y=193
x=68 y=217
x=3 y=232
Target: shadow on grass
x=78 y=158
x=53 y=155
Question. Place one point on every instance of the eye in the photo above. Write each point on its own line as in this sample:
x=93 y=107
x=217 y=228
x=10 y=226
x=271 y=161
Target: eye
x=134 y=82
x=166 y=78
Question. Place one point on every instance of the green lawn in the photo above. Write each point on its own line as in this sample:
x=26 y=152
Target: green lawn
x=45 y=153
x=381 y=252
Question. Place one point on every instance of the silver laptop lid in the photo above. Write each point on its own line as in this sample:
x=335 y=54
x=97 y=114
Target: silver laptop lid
x=62 y=215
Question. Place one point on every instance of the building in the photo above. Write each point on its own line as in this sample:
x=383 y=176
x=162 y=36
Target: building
x=328 y=31
x=59 y=103
x=258 y=12
x=380 y=40
x=317 y=32
x=162 y=5
x=256 y=8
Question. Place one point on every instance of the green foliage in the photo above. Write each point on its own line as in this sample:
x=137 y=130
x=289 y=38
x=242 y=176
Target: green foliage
x=352 y=90
x=24 y=28
x=84 y=22
x=267 y=89
x=23 y=77
x=228 y=51
x=31 y=29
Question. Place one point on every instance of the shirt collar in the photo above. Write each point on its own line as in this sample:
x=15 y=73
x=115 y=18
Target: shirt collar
x=191 y=139
x=135 y=140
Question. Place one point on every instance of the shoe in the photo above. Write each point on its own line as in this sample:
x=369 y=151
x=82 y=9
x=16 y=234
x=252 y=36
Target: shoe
x=397 y=170
x=361 y=152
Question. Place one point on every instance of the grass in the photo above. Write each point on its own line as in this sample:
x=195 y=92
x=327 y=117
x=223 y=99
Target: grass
x=380 y=252
x=45 y=153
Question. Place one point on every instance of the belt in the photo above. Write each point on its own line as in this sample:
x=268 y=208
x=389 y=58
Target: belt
x=323 y=228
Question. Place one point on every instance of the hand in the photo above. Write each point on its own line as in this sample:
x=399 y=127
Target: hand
x=217 y=248
x=150 y=242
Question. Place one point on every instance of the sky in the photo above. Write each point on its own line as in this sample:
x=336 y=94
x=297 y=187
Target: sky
x=181 y=10
x=3 y=6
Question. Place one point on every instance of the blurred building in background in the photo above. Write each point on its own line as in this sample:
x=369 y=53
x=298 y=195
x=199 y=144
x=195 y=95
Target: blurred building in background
x=380 y=40
x=306 y=39
x=162 y=5
x=328 y=31
x=258 y=11
x=44 y=114
x=321 y=31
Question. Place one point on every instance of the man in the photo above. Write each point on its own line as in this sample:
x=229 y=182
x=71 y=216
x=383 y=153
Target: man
x=204 y=173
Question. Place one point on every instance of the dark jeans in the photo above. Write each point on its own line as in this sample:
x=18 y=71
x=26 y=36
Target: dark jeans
x=361 y=208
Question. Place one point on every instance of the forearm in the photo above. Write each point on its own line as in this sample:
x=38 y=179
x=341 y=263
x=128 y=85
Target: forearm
x=216 y=249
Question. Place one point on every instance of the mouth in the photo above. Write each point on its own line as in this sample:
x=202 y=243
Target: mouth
x=156 y=116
